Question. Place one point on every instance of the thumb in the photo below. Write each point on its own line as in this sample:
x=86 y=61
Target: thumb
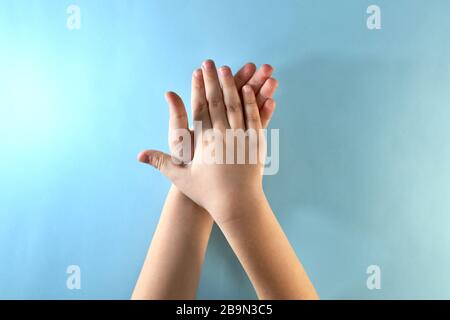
x=169 y=166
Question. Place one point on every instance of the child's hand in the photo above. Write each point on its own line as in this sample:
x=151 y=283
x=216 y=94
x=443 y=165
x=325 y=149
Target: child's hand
x=217 y=187
x=261 y=82
x=232 y=193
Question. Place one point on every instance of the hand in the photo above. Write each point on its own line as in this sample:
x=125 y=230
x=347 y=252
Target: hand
x=232 y=193
x=260 y=80
x=211 y=185
x=175 y=257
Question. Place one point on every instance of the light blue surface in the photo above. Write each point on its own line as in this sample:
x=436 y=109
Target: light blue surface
x=365 y=139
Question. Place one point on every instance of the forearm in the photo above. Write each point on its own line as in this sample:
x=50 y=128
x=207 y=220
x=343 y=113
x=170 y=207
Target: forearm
x=172 y=267
x=264 y=251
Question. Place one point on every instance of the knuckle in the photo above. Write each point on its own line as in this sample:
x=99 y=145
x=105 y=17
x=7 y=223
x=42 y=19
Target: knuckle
x=252 y=116
x=158 y=161
x=179 y=116
x=201 y=106
x=251 y=99
x=215 y=102
x=233 y=107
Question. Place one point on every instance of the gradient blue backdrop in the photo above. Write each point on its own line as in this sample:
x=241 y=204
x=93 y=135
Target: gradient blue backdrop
x=365 y=139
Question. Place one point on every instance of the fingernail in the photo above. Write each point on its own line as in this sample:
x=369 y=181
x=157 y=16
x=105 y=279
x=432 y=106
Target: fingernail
x=198 y=74
x=143 y=158
x=225 y=71
x=267 y=69
x=167 y=95
x=208 y=64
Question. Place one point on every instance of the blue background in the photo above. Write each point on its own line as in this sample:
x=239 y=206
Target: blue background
x=365 y=139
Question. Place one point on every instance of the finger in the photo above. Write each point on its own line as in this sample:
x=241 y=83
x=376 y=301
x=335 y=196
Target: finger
x=178 y=122
x=165 y=163
x=267 y=91
x=214 y=96
x=231 y=98
x=198 y=100
x=252 y=119
x=260 y=76
x=244 y=74
x=266 y=112
x=178 y=118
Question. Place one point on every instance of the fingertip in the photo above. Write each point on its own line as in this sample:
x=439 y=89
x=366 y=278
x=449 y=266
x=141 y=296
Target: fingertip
x=273 y=82
x=267 y=69
x=169 y=95
x=269 y=87
x=270 y=104
x=225 y=71
x=208 y=64
x=173 y=99
x=197 y=80
x=244 y=74
x=250 y=67
x=143 y=157
x=198 y=74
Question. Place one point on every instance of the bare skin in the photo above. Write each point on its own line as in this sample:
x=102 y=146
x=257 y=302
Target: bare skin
x=174 y=260
x=232 y=194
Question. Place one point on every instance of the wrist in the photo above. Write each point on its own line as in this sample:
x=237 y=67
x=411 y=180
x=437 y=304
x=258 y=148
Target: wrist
x=239 y=208
x=189 y=207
